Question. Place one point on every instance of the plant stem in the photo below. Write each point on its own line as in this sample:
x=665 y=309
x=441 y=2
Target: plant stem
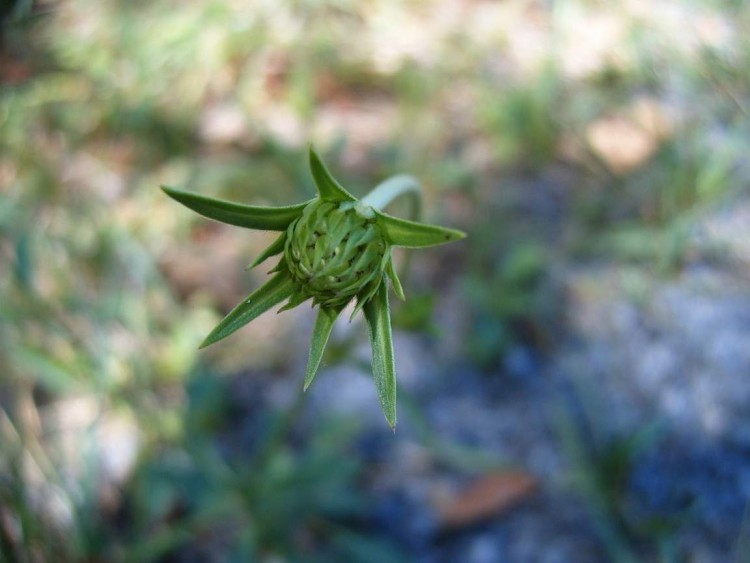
x=384 y=193
x=388 y=190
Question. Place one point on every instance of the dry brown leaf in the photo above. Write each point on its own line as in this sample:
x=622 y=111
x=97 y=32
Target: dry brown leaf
x=490 y=495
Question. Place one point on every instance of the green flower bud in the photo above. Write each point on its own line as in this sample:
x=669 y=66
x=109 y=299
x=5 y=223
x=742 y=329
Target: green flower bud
x=336 y=251
x=335 y=248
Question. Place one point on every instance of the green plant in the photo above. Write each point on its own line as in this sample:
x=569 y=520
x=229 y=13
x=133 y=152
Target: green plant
x=334 y=249
x=523 y=121
x=272 y=497
x=509 y=298
x=601 y=467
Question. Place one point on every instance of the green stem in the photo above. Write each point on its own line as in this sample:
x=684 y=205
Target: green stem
x=388 y=190
x=384 y=193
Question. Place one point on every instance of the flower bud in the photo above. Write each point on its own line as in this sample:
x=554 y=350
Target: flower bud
x=335 y=251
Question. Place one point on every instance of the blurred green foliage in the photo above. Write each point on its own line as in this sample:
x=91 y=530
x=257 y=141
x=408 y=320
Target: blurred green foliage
x=503 y=111
x=512 y=298
x=601 y=468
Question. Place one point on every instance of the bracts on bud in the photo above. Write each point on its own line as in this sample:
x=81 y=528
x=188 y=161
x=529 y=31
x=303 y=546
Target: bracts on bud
x=335 y=251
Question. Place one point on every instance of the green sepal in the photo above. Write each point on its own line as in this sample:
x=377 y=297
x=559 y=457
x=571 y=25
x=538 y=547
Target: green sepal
x=377 y=314
x=369 y=290
x=390 y=271
x=361 y=300
x=328 y=188
x=277 y=247
x=249 y=216
x=410 y=234
x=297 y=298
x=321 y=332
x=357 y=308
x=365 y=295
x=280 y=267
x=271 y=293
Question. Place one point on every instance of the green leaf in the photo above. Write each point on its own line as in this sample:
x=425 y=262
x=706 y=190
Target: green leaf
x=51 y=374
x=271 y=293
x=297 y=298
x=390 y=271
x=277 y=247
x=328 y=188
x=251 y=217
x=377 y=314
x=321 y=332
x=400 y=232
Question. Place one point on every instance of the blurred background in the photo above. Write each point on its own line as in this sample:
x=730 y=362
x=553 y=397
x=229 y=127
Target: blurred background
x=573 y=377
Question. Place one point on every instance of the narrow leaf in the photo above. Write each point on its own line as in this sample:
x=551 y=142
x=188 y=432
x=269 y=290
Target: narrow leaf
x=390 y=271
x=366 y=294
x=277 y=247
x=321 y=332
x=271 y=293
x=378 y=319
x=296 y=298
x=357 y=308
x=328 y=188
x=252 y=217
x=400 y=232
x=279 y=267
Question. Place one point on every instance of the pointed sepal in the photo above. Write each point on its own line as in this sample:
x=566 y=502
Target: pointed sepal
x=271 y=293
x=377 y=314
x=328 y=188
x=277 y=247
x=390 y=270
x=248 y=216
x=280 y=267
x=320 y=335
x=367 y=293
x=410 y=234
x=297 y=298
x=358 y=307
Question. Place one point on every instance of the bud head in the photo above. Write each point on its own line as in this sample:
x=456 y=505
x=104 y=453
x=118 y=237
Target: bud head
x=335 y=251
